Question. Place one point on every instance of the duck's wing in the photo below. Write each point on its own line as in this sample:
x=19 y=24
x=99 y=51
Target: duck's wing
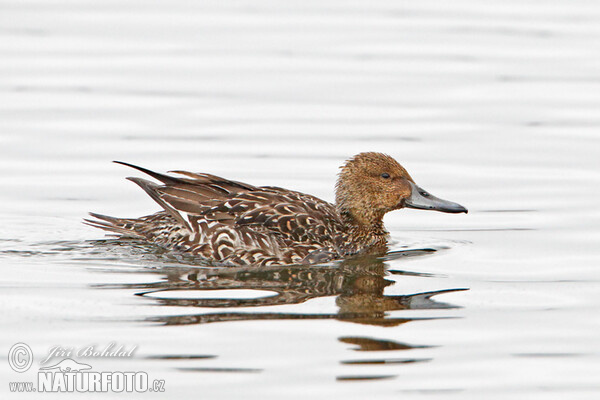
x=291 y=215
x=198 y=200
x=190 y=195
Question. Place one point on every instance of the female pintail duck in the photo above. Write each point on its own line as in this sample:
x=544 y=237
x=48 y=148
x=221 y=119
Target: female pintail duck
x=225 y=222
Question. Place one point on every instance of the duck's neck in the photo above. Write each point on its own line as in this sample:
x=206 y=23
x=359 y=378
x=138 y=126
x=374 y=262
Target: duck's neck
x=364 y=224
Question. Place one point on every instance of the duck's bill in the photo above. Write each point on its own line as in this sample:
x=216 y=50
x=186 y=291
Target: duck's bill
x=423 y=200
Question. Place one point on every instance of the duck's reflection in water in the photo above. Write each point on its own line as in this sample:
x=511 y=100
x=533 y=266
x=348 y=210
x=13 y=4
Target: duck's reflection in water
x=357 y=283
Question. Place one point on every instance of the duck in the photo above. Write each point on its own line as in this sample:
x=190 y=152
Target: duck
x=224 y=222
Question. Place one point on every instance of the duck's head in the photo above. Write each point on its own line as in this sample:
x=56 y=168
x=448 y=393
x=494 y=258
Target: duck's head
x=372 y=184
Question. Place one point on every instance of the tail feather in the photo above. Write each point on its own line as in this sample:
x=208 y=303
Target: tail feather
x=120 y=226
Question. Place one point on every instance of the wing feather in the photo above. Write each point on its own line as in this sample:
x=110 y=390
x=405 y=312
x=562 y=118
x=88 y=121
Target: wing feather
x=291 y=216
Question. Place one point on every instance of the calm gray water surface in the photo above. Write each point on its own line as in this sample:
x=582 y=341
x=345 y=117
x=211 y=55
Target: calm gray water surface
x=490 y=104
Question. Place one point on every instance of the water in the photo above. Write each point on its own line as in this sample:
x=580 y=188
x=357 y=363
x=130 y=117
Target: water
x=492 y=105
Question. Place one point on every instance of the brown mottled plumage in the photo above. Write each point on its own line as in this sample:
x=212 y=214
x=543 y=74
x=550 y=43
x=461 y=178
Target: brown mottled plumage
x=226 y=222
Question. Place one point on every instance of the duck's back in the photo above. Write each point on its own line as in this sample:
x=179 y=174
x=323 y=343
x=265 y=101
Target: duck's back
x=233 y=223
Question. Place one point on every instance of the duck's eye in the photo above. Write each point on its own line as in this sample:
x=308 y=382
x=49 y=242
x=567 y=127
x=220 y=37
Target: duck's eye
x=424 y=194
x=385 y=175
